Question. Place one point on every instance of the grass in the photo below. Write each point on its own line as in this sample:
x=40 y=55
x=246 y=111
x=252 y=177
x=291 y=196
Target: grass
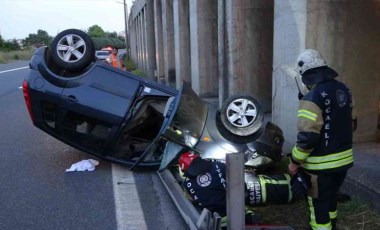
x=352 y=215
x=139 y=73
x=6 y=57
x=130 y=66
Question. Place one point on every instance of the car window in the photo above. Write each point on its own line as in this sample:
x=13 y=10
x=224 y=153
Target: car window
x=92 y=133
x=102 y=53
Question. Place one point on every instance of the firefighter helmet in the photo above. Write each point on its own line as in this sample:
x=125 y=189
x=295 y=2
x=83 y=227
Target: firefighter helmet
x=185 y=160
x=309 y=59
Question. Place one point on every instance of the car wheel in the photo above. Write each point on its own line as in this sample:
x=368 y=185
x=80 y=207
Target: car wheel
x=72 y=50
x=241 y=115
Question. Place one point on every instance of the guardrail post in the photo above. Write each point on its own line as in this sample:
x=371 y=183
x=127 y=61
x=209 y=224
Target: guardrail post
x=235 y=191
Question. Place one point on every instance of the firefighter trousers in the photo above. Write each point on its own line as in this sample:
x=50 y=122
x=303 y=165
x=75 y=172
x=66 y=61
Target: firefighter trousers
x=323 y=203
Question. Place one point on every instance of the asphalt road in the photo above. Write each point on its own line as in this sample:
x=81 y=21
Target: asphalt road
x=37 y=193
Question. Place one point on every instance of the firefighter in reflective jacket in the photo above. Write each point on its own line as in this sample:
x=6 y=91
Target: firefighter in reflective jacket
x=324 y=140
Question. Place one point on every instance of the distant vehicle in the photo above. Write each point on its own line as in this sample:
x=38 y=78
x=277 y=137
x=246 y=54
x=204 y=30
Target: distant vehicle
x=102 y=55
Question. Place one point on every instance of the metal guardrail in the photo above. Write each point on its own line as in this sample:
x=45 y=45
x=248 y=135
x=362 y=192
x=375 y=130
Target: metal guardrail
x=195 y=220
x=192 y=217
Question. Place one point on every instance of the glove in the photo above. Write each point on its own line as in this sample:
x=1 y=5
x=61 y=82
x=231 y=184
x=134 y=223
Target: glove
x=300 y=184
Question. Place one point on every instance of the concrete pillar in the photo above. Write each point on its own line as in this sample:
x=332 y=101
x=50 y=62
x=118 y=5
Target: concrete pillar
x=143 y=40
x=249 y=27
x=131 y=36
x=168 y=37
x=160 y=71
x=141 y=43
x=289 y=39
x=347 y=35
x=139 y=53
x=204 y=47
x=222 y=54
x=181 y=42
x=350 y=44
x=150 y=40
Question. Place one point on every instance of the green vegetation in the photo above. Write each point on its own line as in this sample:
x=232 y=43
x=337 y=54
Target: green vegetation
x=42 y=38
x=129 y=65
x=102 y=39
x=6 y=57
x=138 y=72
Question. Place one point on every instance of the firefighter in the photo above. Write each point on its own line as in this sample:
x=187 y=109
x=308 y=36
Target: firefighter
x=324 y=140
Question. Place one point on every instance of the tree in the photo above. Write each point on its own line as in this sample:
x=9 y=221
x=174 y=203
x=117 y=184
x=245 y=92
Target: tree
x=1 y=42
x=111 y=34
x=41 y=38
x=96 y=31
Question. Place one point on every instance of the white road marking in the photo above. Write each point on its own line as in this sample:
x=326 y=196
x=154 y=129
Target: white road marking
x=10 y=70
x=129 y=214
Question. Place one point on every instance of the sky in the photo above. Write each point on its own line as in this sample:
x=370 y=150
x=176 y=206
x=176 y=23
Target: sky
x=19 y=18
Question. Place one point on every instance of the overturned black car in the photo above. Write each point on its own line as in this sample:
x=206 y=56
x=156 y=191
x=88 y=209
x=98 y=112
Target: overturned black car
x=133 y=121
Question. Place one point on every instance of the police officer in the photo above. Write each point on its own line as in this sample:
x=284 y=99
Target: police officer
x=324 y=140
x=206 y=187
x=204 y=182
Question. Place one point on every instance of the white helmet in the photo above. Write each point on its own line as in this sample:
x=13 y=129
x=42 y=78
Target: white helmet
x=309 y=59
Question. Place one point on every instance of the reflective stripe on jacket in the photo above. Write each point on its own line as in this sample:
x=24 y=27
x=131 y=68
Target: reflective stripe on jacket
x=114 y=61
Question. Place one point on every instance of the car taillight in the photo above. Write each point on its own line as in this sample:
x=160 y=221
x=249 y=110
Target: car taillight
x=25 y=89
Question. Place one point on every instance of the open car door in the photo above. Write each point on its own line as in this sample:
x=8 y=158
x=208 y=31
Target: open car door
x=186 y=123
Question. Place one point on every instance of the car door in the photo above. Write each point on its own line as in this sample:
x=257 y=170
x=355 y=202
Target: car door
x=185 y=124
x=93 y=108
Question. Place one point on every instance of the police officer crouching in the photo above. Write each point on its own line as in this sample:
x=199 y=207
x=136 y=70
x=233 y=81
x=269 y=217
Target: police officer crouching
x=205 y=185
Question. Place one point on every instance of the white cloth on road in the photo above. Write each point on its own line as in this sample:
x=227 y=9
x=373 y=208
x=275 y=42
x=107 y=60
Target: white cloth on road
x=83 y=165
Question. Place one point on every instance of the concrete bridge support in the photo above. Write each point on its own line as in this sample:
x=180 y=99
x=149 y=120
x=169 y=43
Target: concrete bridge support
x=347 y=35
x=168 y=41
x=182 y=42
x=204 y=47
x=142 y=42
x=158 y=34
x=249 y=34
x=150 y=40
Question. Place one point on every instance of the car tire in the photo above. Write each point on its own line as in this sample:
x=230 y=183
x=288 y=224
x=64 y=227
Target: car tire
x=242 y=116
x=72 y=50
